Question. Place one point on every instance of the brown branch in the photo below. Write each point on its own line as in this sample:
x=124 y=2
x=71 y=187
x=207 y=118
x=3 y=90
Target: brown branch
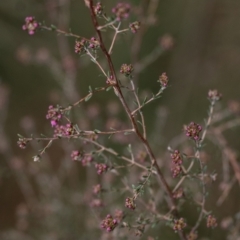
x=119 y=94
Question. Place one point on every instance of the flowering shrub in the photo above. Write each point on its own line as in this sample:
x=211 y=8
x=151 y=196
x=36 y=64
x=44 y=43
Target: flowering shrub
x=149 y=195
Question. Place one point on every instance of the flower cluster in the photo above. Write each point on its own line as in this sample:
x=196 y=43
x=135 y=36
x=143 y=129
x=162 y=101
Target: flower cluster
x=96 y=203
x=86 y=160
x=30 y=25
x=121 y=11
x=109 y=223
x=101 y=168
x=134 y=27
x=214 y=95
x=130 y=203
x=97 y=189
x=94 y=43
x=176 y=157
x=98 y=9
x=80 y=46
x=64 y=131
x=176 y=170
x=176 y=163
x=211 y=221
x=76 y=155
x=163 y=79
x=166 y=42
x=22 y=143
x=179 y=224
x=126 y=69
x=54 y=114
x=193 y=131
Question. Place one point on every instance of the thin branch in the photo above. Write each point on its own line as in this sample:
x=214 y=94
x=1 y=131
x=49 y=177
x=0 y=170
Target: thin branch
x=118 y=91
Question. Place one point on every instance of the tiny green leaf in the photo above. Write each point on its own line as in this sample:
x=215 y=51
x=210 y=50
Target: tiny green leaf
x=90 y=89
x=88 y=97
x=53 y=27
x=109 y=88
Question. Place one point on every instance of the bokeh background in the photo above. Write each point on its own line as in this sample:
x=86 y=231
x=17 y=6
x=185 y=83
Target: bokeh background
x=200 y=42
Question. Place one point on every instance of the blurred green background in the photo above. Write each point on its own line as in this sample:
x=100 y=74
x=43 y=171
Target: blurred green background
x=40 y=70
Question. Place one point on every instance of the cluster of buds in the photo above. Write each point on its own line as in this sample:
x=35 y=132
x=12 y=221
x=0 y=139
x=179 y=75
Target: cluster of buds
x=54 y=114
x=176 y=170
x=193 y=131
x=130 y=203
x=76 y=155
x=211 y=221
x=80 y=46
x=86 y=160
x=64 y=131
x=101 y=168
x=214 y=96
x=121 y=11
x=166 y=42
x=134 y=27
x=98 y=9
x=176 y=163
x=97 y=189
x=176 y=157
x=96 y=203
x=30 y=25
x=126 y=69
x=109 y=223
x=179 y=224
x=94 y=43
x=163 y=79
x=22 y=143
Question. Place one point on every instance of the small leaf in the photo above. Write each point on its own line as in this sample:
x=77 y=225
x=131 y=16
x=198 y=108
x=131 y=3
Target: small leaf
x=88 y=97
x=98 y=88
x=144 y=101
x=135 y=102
x=96 y=131
x=90 y=89
x=20 y=136
x=109 y=88
x=127 y=133
x=77 y=128
x=93 y=60
x=53 y=27
x=129 y=147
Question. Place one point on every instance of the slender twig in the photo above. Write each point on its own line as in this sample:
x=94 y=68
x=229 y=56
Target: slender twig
x=96 y=62
x=69 y=34
x=141 y=114
x=148 y=101
x=111 y=151
x=114 y=38
x=197 y=154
